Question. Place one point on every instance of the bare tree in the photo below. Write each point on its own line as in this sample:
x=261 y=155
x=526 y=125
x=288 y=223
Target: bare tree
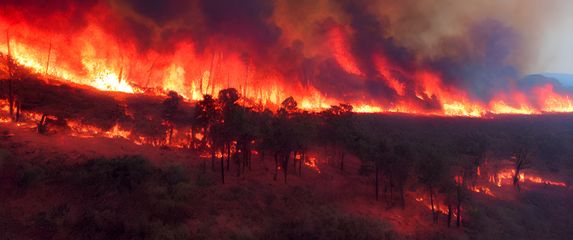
x=522 y=160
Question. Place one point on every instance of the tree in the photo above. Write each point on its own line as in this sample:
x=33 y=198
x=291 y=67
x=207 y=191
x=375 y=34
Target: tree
x=206 y=116
x=231 y=111
x=264 y=133
x=171 y=112
x=431 y=170
x=370 y=148
x=399 y=168
x=284 y=136
x=462 y=172
x=338 y=123
x=474 y=146
x=521 y=158
x=303 y=133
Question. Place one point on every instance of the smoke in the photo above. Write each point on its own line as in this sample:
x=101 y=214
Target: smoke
x=51 y=16
x=478 y=62
x=355 y=51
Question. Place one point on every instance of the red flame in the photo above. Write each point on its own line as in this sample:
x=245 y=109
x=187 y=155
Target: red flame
x=93 y=56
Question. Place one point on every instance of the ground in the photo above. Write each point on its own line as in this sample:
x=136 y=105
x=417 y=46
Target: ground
x=254 y=206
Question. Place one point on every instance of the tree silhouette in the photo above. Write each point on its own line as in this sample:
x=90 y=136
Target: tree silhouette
x=172 y=112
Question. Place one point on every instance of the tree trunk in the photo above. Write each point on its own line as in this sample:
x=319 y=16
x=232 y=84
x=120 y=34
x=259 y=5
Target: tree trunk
x=238 y=162
x=449 y=214
x=432 y=203
x=294 y=160
x=402 y=199
x=276 y=166
x=391 y=186
x=326 y=153
x=192 y=138
x=342 y=162
x=302 y=159
x=459 y=216
x=285 y=165
x=459 y=207
x=11 y=96
x=248 y=156
x=222 y=169
x=213 y=160
x=516 y=177
x=18 y=109
x=228 y=156
x=42 y=125
x=377 y=178
x=437 y=209
x=245 y=158
x=10 y=75
x=169 y=140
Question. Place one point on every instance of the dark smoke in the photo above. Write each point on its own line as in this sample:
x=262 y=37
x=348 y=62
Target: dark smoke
x=476 y=59
x=477 y=62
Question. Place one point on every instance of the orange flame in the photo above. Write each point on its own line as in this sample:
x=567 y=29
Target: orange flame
x=311 y=162
x=96 y=58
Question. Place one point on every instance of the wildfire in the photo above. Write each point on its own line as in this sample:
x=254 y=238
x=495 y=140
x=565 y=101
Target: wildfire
x=501 y=178
x=96 y=57
x=481 y=189
x=311 y=162
x=440 y=208
x=108 y=81
x=506 y=177
x=553 y=102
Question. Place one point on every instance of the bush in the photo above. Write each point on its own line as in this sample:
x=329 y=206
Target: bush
x=28 y=177
x=118 y=175
x=328 y=224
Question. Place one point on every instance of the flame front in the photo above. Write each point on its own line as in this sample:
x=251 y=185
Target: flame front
x=95 y=54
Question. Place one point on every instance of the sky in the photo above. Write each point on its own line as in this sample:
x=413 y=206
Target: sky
x=543 y=28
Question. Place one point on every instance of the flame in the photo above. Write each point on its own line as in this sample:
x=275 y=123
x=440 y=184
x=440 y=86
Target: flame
x=385 y=70
x=311 y=162
x=440 y=208
x=109 y=81
x=87 y=131
x=481 y=189
x=341 y=51
x=95 y=57
x=506 y=177
x=551 y=101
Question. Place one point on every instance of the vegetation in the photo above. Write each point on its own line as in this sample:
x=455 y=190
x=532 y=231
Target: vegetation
x=129 y=198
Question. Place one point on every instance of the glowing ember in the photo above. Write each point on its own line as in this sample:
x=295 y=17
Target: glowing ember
x=482 y=189
x=311 y=162
x=440 y=208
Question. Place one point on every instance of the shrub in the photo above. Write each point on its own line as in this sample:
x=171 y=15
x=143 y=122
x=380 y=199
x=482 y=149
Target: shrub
x=326 y=223
x=119 y=175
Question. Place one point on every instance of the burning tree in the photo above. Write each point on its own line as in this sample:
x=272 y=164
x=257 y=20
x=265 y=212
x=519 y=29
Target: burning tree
x=521 y=157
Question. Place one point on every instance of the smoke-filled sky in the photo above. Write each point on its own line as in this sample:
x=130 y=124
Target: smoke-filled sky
x=544 y=28
x=350 y=50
